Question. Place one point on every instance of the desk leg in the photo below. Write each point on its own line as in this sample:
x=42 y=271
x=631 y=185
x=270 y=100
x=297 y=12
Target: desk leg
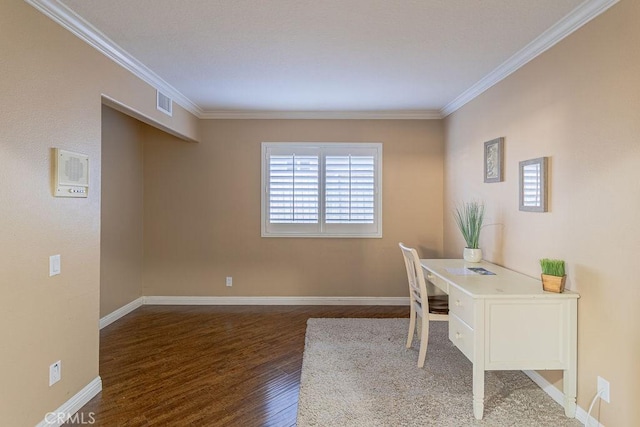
x=569 y=386
x=478 y=391
x=570 y=375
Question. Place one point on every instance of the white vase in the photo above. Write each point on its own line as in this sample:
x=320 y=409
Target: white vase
x=472 y=255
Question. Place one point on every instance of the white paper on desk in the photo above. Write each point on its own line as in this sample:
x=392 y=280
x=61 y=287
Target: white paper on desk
x=461 y=271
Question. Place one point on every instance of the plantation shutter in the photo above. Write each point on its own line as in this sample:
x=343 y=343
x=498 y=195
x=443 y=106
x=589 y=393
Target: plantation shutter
x=349 y=189
x=531 y=179
x=293 y=189
x=321 y=190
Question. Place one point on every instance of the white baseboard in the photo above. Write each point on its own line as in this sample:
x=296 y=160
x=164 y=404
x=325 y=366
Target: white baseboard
x=186 y=300
x=73 y=405
x=121 y=312
x=190 y=300
x=551 y=390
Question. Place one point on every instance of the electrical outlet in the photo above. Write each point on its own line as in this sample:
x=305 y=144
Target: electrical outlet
x=603 y=389
x=55 y=373
x=229 y=281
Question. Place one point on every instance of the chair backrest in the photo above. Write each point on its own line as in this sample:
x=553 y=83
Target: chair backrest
x=415 y=276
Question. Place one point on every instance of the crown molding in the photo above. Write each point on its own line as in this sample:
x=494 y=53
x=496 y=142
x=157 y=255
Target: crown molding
x=91 y=35
x=317 y=115
x=561 y=29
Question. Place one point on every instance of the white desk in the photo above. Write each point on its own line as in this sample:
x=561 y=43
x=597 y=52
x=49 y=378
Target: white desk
x=507 y=322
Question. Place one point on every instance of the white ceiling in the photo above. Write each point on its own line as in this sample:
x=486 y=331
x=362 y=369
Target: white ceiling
x=326 y=55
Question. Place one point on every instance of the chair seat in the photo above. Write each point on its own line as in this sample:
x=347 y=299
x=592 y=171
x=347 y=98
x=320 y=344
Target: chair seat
x=439 y=304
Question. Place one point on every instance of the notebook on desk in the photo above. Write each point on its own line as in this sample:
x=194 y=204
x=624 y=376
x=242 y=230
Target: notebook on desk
x=470 y=271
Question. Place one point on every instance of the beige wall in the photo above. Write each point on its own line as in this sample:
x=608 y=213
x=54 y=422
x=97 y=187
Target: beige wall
x=579 y=104
x=202 y=212
x=51 y=88
x=121 y=244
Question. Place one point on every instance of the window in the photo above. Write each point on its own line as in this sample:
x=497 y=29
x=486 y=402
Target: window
x=321 y=190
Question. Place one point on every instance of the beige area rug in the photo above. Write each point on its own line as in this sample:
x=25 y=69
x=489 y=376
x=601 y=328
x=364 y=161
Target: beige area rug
x=357 y=372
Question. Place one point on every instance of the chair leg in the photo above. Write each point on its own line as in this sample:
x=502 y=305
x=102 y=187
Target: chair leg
x=412 y=327
x=424 y=341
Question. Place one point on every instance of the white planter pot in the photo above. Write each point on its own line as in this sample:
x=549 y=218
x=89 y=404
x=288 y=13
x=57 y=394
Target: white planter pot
x=472 y=255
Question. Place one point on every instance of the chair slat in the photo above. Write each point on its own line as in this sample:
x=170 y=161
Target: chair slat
x=420 y=301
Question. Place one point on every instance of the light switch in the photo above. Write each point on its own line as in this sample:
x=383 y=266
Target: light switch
x=54 y=265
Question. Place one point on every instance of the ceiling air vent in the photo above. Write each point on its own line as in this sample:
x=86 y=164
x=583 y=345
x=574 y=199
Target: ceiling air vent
x=164 y=103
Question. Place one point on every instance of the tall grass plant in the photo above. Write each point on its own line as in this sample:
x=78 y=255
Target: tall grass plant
x=469 y=217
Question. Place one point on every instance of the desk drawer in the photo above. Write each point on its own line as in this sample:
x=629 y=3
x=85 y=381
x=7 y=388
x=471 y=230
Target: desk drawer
x=461 y=335
x=461 y=305
x=437 y=281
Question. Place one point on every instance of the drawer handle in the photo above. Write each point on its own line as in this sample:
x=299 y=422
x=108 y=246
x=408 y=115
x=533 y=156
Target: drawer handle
x=458 y=303
x=430 y=277
x=458 y=336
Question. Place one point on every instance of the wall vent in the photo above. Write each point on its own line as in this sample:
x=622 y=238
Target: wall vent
x=164 y=103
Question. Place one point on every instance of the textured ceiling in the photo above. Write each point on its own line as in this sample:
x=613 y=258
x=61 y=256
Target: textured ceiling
x=329 y=55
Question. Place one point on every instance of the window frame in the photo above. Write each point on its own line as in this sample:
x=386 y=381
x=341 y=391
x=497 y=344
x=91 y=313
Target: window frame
x=322 y=229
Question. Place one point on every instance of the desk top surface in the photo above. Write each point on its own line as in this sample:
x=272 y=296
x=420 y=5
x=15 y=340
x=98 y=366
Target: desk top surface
x=503 y=283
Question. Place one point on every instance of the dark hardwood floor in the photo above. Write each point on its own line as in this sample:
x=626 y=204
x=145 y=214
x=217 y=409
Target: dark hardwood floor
x=207 y=365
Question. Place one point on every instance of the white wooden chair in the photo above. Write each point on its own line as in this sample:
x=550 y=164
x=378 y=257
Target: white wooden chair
x=419 y=301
